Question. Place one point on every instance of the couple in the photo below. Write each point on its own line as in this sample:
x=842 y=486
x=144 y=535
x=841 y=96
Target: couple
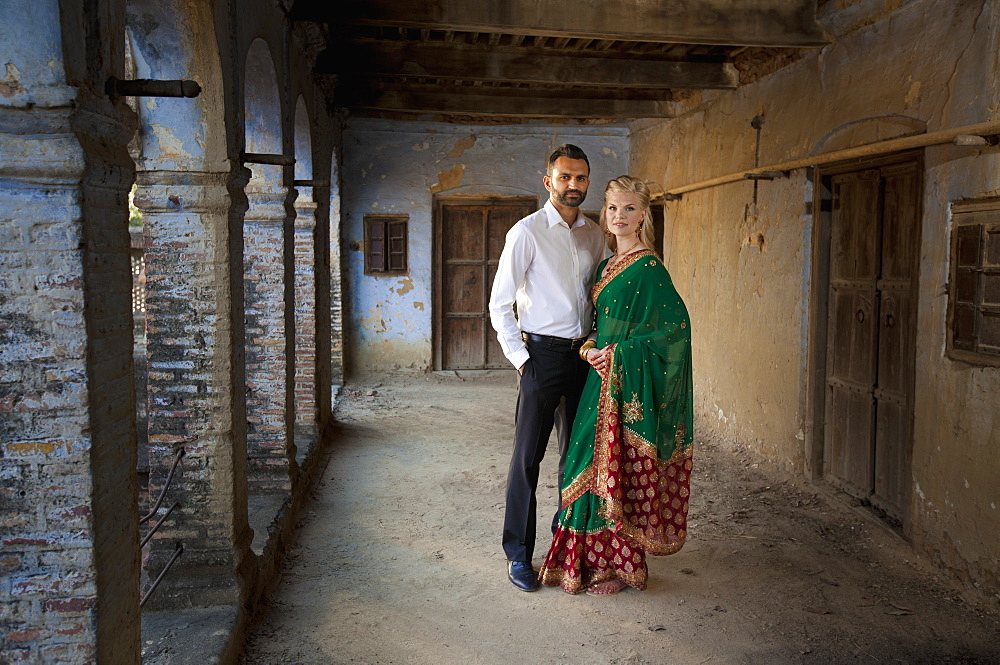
x=620 y=392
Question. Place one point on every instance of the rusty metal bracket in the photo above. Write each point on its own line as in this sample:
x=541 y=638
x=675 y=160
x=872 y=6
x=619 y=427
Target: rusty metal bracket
x=159 y=523
x=765 y=175
x=116 y=87
x=263 y=158
x=166 y=485
x=976 y=139
x=149 y=592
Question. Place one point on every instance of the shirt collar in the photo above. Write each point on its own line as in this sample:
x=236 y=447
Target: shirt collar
x=553 y=216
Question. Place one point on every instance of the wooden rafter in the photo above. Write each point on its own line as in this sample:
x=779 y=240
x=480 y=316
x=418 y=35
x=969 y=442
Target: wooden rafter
x=507 y=102
x=789 y=23
x=411 y=59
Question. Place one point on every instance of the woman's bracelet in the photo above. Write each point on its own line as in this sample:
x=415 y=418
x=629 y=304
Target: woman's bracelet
x=587 y=346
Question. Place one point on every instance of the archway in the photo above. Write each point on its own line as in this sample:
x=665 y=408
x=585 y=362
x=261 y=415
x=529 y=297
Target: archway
x=306 y=428
x=182 y=194
x=266 y=289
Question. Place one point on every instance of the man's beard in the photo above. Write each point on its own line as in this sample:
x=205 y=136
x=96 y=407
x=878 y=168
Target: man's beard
x=562 y=199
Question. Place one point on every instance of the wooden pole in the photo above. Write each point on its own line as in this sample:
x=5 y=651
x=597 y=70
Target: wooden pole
x=867 y=150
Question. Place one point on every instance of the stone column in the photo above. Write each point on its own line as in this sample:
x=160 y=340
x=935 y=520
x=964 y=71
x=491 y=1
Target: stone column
x=305 y=389
x=336 y=291
x=266 y=370
x=68 y=521
x=193 y=400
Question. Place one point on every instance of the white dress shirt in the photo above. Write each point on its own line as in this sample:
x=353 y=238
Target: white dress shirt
x=547 y=269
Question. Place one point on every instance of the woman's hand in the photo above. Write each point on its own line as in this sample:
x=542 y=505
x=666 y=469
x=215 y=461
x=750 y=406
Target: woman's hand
x=600 y=359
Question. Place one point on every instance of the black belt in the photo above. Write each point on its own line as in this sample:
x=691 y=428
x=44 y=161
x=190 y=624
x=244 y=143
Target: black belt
x=553 y=341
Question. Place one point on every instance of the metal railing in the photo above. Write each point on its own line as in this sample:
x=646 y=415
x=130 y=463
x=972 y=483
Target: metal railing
x=179 y=548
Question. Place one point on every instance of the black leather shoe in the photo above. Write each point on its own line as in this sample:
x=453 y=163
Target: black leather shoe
x=522 y=575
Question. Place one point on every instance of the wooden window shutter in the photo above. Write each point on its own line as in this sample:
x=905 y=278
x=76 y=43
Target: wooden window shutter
x=386 y=244
x=974 y=284
x=396 y=241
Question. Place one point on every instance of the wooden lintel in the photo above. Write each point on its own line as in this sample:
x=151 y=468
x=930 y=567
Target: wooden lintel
x=789 y=23
x=442 y=61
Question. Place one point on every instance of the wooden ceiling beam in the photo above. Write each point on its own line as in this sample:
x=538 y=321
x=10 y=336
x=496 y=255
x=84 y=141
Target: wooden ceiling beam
x=508 y=105
x=412 y=59
x=790 y=23
x=505 y=101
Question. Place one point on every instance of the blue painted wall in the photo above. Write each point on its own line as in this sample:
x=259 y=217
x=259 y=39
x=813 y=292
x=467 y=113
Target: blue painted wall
x=394 y=167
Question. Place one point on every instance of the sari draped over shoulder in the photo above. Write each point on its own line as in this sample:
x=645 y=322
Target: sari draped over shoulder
x=626 y=481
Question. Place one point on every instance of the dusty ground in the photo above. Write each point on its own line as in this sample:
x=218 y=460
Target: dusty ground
x=399 y=561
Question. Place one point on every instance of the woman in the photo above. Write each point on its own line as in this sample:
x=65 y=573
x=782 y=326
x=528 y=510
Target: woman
x=627 y=475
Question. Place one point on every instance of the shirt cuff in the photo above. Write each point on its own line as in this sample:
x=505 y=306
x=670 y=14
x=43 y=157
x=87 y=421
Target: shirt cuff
x=519 y=357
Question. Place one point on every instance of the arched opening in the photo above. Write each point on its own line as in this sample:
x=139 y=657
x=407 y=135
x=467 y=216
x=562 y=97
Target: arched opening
x=268 y=401
x=306 y=428
x=181 y=197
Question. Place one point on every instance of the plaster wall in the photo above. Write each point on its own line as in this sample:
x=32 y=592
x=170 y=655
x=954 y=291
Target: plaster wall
x=891 y=69
x=393 y=168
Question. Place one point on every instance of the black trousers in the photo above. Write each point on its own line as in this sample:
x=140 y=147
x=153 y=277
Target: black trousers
x=549 y=393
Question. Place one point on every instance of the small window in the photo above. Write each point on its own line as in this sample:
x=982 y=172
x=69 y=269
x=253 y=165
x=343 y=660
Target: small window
x=385 y=244
x=974 y=283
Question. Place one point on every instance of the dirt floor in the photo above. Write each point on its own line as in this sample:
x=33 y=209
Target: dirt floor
x=398 y=560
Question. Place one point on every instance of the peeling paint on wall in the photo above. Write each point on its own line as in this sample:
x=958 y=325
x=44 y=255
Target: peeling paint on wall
x=461 y=146
x=374 y=321
x=405 y=286
x=913 y=95
x=10 y=84
x=449 y=179
x=171 y=147
x=418 y=306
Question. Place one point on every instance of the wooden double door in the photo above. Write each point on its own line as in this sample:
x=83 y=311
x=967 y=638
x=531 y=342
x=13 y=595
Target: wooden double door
x=871 y=329
x=468 y=239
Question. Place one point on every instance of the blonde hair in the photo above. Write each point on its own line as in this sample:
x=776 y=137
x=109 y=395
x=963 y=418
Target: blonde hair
x=630 y=185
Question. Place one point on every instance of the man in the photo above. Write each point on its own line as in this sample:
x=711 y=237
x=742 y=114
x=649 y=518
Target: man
x=546 y=270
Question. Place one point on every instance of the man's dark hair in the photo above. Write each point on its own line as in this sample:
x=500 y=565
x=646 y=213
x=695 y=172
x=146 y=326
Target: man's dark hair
x=566 y=150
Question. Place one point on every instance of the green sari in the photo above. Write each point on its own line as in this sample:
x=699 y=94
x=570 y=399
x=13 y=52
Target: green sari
x=626 y=480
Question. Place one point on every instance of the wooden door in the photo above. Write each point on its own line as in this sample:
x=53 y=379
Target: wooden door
x=874 y=240
x=470 y=236
x=854 y=263
x=896 y=336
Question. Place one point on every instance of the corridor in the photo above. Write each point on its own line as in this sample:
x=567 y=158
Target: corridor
x=398 y=561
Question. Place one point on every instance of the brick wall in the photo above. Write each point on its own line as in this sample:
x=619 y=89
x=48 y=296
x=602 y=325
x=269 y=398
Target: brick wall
x=306 y=415
x=266 y=371
x=68 y=525
x=48 y=574
x=335 y=292
x=189 y=350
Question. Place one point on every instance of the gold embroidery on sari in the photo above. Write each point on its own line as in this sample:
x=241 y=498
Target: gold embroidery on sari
x=579 y=485
x=636 y=441
x=615 y=271
x=632 y=411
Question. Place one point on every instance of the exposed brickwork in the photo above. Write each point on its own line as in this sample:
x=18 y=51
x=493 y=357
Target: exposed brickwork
x=189 y=396
x=64 y=394
x=44 y=441
x=263 y=242
x=336 y=290
x=306 y=414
